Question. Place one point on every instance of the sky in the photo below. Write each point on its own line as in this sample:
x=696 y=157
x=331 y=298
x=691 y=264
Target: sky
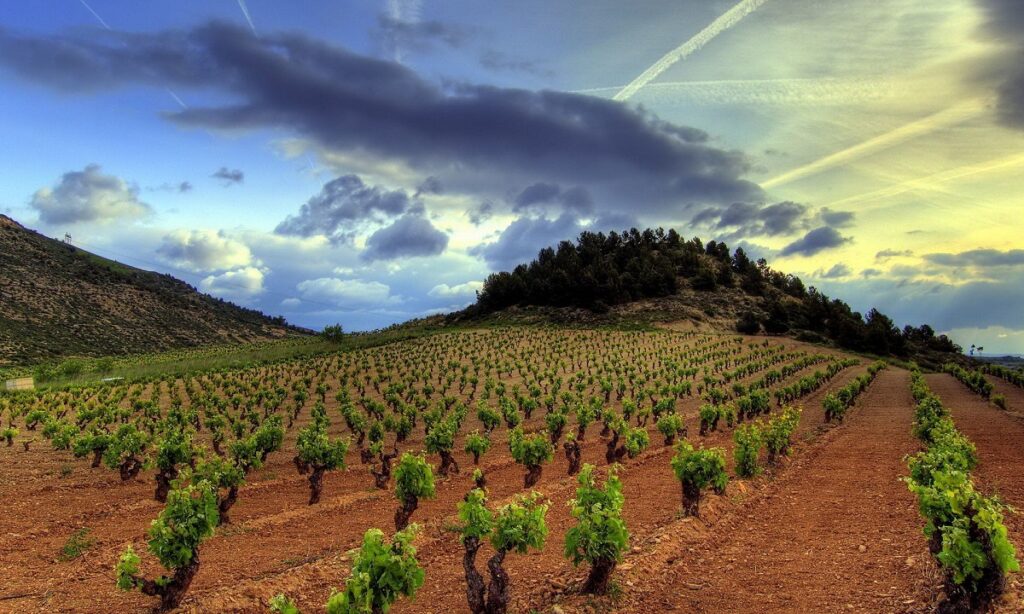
x=367 y=162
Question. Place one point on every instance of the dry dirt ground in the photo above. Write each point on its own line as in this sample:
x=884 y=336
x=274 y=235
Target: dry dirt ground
x=789 y=540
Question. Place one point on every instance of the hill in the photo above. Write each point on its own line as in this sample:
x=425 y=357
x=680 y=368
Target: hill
x=657 y=276
x=58 y=300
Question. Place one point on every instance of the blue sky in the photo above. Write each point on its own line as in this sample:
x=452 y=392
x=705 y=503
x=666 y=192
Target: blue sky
x=369 y=162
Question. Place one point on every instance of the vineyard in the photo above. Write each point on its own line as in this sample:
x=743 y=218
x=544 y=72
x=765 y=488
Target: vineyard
x=519 y=469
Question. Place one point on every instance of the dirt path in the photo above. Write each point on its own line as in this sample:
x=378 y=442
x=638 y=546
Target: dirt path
x=999 y=439
x=836 y=532
x=1014 y=394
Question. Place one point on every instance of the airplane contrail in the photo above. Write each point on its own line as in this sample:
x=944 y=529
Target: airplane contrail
x=176 y=98
x=931 y=182
x=947 y=117
x=107 y=26
x=725 y=21
x=95 y=14
x=766 y=91
x=248 y=17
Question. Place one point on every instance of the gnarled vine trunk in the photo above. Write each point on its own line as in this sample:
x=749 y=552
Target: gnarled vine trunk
x=130 y=468
x=474 y=581
x=300 y=465
x=172 y=592
x=316 y=483
x=600 y=574
x=572 y=454
x=556 y=435
x=403 y=513
x=532 y=475
x=614 y=453
x=164 y=477
x=97 y=456
x=497 y=590
x=382 y=476
x=691 y=499
x=224 y=505
x=448 y=464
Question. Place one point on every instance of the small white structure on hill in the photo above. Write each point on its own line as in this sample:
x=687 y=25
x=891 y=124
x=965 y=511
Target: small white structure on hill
x=19 y=383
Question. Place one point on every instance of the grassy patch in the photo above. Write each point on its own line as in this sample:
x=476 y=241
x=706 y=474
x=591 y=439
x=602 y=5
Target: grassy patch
x=76 y=545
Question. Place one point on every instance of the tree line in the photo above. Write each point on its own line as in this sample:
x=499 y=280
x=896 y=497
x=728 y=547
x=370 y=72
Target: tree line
x=600 y=270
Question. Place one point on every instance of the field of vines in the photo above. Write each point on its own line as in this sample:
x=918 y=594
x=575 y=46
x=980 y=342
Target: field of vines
x=510 y=470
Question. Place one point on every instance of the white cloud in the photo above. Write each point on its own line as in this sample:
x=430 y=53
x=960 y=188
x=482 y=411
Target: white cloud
x=204 y=250
x=239 y=284
x=467 y=290
x=89 y=196
x=353 y=293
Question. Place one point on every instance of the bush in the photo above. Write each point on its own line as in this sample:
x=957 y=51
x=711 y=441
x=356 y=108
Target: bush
x=320 y=454
x=381 y=574
x=670 y=426
x=477 y=445
x=747 y=324
x=9 y=433
x=333 y=333
x=532 y=451
x=709 y=416
x=697 y=470
x=600 y=536
x=414 y=480
x=518 y=526
x=488 y=417
x=441 y=440
x=748 y=441
x=125 y=451
x=999 y=401
x=778 y=433
x=188 y=519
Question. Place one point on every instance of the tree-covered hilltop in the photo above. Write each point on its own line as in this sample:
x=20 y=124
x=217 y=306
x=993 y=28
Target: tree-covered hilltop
x=601 y=270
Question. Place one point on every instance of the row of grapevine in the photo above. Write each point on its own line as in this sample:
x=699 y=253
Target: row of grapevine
x=204 y=434
x=835 y=404
x=1013 y=376
x=965 y=528
x=973 y=379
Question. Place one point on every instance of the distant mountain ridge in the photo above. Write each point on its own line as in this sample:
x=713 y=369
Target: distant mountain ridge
x=57 y=300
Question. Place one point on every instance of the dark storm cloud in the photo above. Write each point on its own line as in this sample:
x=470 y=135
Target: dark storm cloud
x=978 y=258
x=229 y=176
x=838 y=270
x=573 y=199
x=375 y=108
x=495 y=60
x=481 y=213
x=523 y=238
x=430 y=185
x=817 y=240
x=837 y=219
x=409 y=236
x=342 y=207
x=746 y=219
x=1005 y=21
x=886 y=254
